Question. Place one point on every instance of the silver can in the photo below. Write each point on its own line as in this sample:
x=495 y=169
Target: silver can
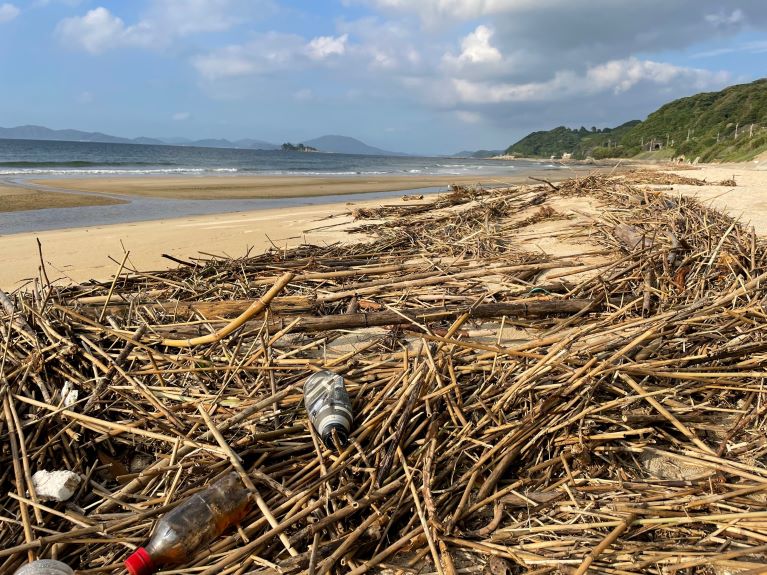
x=329 y=407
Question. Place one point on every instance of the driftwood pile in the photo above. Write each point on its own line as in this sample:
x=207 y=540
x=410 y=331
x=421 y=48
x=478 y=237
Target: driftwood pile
x=620 y=429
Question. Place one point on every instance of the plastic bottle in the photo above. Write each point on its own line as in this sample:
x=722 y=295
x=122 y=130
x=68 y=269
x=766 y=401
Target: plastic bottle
x=328 y=406
x=45 y=567
x=191 y=525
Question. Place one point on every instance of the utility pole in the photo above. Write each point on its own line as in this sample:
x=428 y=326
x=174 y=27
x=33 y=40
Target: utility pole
x=717 y=136
x=736 y=129
x=751 y=131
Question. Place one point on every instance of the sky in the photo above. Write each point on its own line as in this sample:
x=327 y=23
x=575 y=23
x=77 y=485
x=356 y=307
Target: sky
x=416 y=76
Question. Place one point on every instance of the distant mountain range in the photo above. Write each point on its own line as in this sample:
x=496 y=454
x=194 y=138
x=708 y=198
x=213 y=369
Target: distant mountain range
x=331 y=144
x=42 y=133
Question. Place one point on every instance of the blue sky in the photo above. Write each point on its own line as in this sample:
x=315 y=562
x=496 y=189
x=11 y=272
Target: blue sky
x=419 y=76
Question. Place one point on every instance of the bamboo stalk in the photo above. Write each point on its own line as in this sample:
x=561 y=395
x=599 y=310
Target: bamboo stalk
x=256 y=308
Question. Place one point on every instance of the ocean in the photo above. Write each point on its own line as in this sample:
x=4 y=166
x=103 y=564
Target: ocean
x=53 y=158
x=23 y=160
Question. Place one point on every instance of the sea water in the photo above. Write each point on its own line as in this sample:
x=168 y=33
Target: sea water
x=23 y=160
x=53 y=158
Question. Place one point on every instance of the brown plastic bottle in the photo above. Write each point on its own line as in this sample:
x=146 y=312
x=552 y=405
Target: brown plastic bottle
x=191 y=525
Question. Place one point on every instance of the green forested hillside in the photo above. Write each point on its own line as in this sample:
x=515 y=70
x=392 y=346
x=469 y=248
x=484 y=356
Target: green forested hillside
x=579 y=142
x=729 y=125
x=705 y=124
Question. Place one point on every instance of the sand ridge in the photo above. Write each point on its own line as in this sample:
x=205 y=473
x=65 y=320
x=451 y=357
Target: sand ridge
x=264 y=187
x=18 y=199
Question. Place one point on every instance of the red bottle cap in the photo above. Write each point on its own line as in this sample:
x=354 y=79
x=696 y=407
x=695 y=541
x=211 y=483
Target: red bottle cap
x=140 y=563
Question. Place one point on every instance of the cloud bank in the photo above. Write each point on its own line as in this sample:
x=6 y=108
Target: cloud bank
x=493 y=63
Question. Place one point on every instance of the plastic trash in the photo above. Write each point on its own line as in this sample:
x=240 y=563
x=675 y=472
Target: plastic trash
x=45 y=567
x=191 y=525
x=55 y=485
x=329 y=407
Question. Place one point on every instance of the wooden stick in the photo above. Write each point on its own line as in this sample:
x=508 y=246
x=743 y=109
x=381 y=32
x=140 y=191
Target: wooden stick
x=256 y=308
x=235 y=460
x=604 y=544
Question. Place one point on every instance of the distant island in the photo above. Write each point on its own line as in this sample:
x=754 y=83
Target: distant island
x=288 y=147
x=730 y=126
x=333 y=144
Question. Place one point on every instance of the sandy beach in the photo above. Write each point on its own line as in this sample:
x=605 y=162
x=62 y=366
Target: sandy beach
x=271 y=187
x=79 y=254
x=747 y=201
x=82 y=253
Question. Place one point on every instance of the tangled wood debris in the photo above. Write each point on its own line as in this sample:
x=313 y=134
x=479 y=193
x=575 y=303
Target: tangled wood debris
x=515 y=411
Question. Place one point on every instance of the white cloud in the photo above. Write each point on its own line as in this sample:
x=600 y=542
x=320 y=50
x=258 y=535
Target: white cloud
x=476 y=48
x=525 y=64
x=581 y=32
x=324 y=46
x=268 y=53
x=8 y=12
x=227 y=62
x=622 y=75
x=385 y=45
x=181 y=116
x=721 y=18
x=98 y=31
x=164 y=22
x=435 y=11
x=616 y=76
x=461 y=9
x=185 y=17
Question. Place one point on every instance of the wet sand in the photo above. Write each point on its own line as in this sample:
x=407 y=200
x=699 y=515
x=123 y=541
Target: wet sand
x=17 y=199
x=274 y=187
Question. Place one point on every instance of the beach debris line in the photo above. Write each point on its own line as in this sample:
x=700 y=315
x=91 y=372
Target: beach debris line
x=55 y=485
x=621 y=435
